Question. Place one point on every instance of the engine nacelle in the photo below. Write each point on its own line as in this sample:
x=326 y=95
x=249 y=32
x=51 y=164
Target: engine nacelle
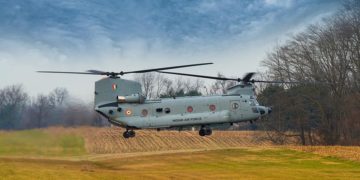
x=134 y=98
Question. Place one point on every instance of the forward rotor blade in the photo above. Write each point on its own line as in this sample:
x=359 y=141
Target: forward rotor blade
x=246 y=79
x=66 y=72
x=200 y=76
x=164 y=68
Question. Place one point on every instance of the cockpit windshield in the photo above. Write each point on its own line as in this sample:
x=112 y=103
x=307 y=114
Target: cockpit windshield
x=253 y=102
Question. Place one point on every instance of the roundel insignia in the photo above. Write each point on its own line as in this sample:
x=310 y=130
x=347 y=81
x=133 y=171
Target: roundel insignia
x=190 y=109
x=212 y=107
x=128 y=112
x=114 y=87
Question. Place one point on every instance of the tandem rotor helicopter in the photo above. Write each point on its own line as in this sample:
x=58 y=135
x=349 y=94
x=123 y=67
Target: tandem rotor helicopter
x=122 y=103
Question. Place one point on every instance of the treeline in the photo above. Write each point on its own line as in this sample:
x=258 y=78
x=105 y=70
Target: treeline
x=58 y=108
x=20 y=111
x=325 y=110
x=156 y=85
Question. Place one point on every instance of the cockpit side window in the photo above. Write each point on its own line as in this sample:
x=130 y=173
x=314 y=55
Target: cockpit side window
x=252 y=102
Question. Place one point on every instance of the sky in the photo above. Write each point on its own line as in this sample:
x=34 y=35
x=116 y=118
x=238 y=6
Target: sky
x=126 y=35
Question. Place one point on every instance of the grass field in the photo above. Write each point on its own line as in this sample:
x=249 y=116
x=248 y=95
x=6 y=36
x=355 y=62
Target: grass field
x=40 y=143
x=69 y=154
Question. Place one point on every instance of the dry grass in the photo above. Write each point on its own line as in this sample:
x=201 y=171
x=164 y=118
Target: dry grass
x=167 y=155
x=110 y=140
x=245 y=163
x=39 y=142
x=344 y=152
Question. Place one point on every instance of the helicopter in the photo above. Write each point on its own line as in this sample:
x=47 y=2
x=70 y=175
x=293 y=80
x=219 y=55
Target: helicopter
x=121 y=102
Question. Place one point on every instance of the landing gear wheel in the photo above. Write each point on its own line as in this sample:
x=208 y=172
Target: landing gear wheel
x=202 y=132
x=126 y=134
x=132 y=133
x=129 y=134
x=205 y=131
x=208 y=131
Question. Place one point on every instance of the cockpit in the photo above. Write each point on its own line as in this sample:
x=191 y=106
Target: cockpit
x=253 y=102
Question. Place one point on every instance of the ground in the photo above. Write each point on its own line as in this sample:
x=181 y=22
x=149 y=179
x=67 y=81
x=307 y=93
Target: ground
x=101 y=153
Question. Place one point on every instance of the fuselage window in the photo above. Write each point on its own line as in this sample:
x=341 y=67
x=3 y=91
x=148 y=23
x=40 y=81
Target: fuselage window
x=167 y=110
x=159 y=110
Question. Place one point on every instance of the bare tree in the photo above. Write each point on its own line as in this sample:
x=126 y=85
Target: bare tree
x=161 y=85
x=179 y=84
x=13 y=101
x=42 y=108
x=147 y=81
x=220 y=86
x=58 y=96
x=328 y=53
x=169 y=90
x=78 y=113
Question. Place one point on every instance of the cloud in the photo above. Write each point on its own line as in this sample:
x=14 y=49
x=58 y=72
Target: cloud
x=279 y=3
x=77 y=26
x=128 y=35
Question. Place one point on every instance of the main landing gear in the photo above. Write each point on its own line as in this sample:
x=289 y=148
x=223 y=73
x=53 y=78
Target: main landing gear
x=129 y=134
x=205 y=131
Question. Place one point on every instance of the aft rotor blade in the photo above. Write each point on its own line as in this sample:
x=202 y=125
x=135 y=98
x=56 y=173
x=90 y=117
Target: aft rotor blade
x=67 y=72
x=96 y=71
x=248 y=76
x=200 y=76
x=164 y=68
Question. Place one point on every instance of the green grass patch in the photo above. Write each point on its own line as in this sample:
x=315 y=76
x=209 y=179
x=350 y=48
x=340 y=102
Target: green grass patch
x=40 y=143
x=249 y=163
x=238 y=163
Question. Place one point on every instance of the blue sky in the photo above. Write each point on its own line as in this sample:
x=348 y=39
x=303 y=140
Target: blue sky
x=77 y=35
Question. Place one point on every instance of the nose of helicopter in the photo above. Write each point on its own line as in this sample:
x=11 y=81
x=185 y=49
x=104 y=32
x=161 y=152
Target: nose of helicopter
x=264 y=110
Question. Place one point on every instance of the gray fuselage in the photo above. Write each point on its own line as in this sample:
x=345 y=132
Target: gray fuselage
x=183 y=111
